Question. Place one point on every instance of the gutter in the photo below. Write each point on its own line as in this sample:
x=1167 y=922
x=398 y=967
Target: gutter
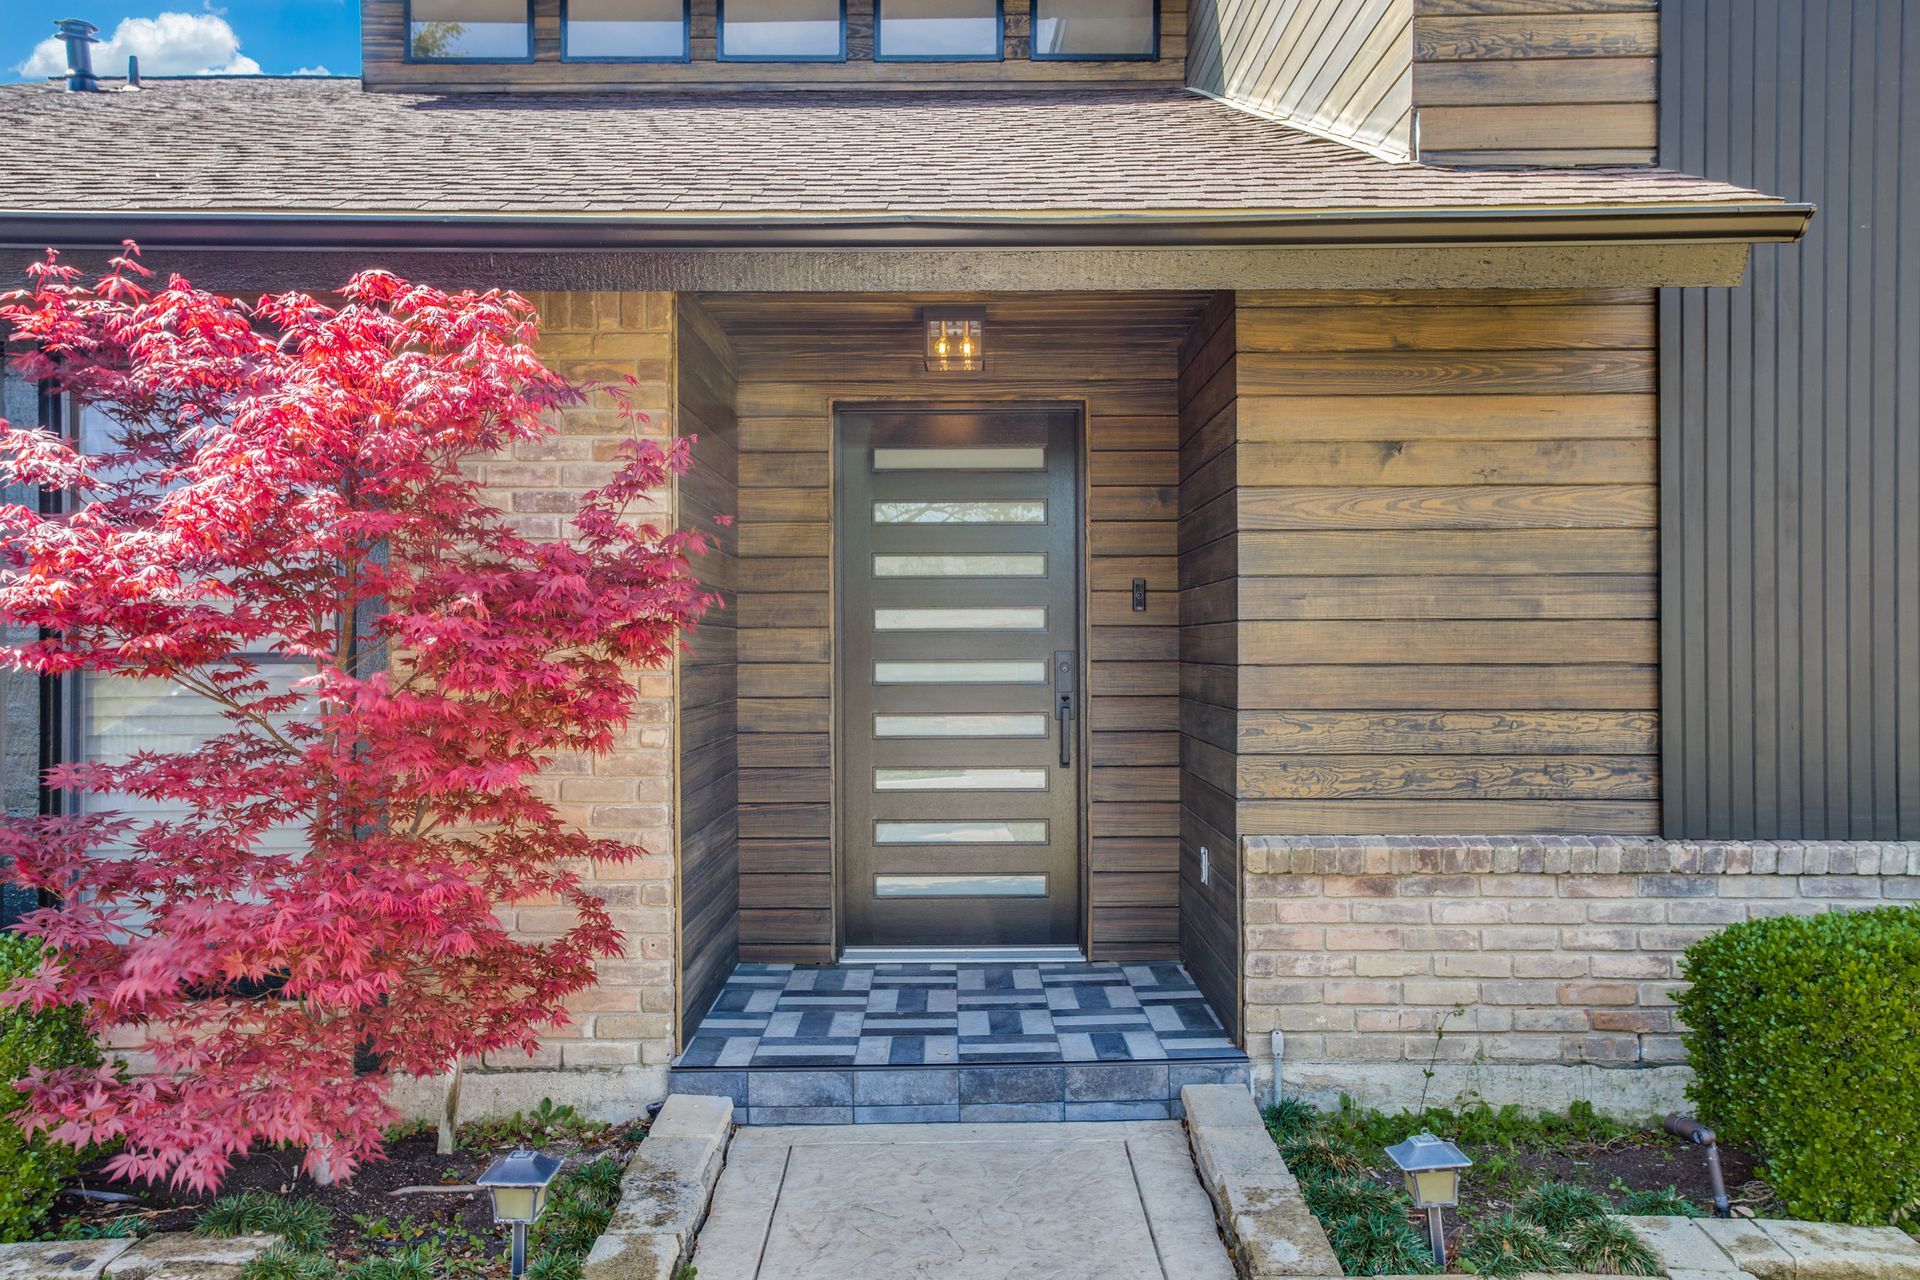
x=1757 y=222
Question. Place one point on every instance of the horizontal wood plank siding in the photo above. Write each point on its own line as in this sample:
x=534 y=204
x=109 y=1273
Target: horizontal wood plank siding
x=798 y=358
x=1536 y=82
x=1210 y=523
x=708 y=766
x=384 y=45
x=1791 y=431
x=1342 y=68
x=1443 y=603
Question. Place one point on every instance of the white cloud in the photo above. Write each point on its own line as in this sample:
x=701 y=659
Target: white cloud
x=320 y=70
x=173 y=44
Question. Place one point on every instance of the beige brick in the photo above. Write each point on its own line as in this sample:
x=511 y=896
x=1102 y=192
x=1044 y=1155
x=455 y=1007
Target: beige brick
x=1473 y=965
x=1599 y=993
x=1371 y=964
x=1441 y=993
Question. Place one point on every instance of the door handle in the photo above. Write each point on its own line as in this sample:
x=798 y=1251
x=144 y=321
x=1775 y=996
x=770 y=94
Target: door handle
x=1064 y=709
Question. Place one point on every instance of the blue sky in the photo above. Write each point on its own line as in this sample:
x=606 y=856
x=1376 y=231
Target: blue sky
x=186 y=37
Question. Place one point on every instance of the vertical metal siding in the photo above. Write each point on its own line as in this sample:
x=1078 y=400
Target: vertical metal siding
x=1790 y=430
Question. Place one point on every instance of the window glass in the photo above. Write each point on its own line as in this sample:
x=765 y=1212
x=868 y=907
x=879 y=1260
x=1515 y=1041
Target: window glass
x=938 y=29
x=118 y=717
x=960 y=726
x=450 y=30
x=959 y=886
x=960 y=831
x=651 y=30
x=782 y=29
x=960 y=512
x=1010 y=619
x=959 y=566
x=960 y=672
x=1095 y=29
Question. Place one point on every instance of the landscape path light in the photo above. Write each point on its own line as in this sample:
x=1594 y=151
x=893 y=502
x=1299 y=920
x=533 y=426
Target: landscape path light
x=1432 y=1167
x=518 y=1183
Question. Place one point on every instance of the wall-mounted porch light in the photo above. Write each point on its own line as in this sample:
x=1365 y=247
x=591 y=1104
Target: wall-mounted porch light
x=1432 y=1167
x=956 y=339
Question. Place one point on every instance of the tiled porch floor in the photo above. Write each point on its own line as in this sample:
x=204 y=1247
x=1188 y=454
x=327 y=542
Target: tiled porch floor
x=950 y=1014
x=945 y=1043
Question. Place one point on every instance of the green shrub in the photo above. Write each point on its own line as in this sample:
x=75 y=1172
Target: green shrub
x=1664 y=1203
x=1805 y=1043
x=35 y=1168
x=1317 y=1155
x=1510 y=1245
x=1607 y=1246
x=1557 y=1206
x=1345 y=1196
x=302 y=1225
x=1291 y=1118
x=283 y=1263
x=1380 y=1244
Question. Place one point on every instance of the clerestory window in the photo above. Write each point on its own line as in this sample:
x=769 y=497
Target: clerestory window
x=938 y=31
x=469 y=30
x=1103 y=30
x=783 y=31
x=625 y=31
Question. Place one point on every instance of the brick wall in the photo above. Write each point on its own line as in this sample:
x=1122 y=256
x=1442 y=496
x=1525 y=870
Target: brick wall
x=1563 y=955
x=613 y=1058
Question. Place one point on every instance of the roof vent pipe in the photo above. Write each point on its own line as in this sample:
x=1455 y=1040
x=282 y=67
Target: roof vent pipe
x=78 y=34
x=133 y=72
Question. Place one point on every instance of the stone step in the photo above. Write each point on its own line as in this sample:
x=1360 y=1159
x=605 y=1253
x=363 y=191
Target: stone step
x=1105 y=1091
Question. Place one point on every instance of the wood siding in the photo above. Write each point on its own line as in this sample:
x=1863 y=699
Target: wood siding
x=1210 y=916
x=1342 y=68
x=801 y=355
x=1536 y=82
x=1442 y=578
x=383 y=52
x=1791 y=431
x=707 y=814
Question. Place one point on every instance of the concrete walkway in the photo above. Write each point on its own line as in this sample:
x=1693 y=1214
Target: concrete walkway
x=962 y=1202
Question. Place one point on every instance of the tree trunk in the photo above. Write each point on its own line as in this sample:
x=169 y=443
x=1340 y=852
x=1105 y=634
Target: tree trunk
x=320 y=1164
x=450 y=1109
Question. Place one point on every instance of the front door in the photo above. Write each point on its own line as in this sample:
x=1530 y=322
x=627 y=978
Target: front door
x=959 y=760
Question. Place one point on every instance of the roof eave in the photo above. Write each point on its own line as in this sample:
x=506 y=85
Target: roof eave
x=314 y=230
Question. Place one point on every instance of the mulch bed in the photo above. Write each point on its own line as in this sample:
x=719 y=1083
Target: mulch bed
x=367 y=1219
x=1647 y=1161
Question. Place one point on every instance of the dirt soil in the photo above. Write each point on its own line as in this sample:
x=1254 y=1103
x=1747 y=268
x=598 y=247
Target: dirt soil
x=368 y=1218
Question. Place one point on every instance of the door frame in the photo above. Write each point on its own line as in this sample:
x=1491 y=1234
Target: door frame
x=1083 y=725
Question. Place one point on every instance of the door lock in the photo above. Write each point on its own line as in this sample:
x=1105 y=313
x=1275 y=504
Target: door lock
x=1064 y=708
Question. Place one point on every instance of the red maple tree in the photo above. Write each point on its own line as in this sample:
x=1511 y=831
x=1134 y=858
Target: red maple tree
x=321 y=888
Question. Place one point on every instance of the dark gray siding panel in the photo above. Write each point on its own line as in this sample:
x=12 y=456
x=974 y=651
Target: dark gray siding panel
x=1790 y=428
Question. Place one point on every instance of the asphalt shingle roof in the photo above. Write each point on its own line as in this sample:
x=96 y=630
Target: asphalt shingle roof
x=312 y=145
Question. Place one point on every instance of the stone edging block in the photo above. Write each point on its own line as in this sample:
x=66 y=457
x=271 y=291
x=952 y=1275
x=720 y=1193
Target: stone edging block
x=665 y=1192
x=1777 y=1249
x=1270 y=1231
x=170 y=1256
